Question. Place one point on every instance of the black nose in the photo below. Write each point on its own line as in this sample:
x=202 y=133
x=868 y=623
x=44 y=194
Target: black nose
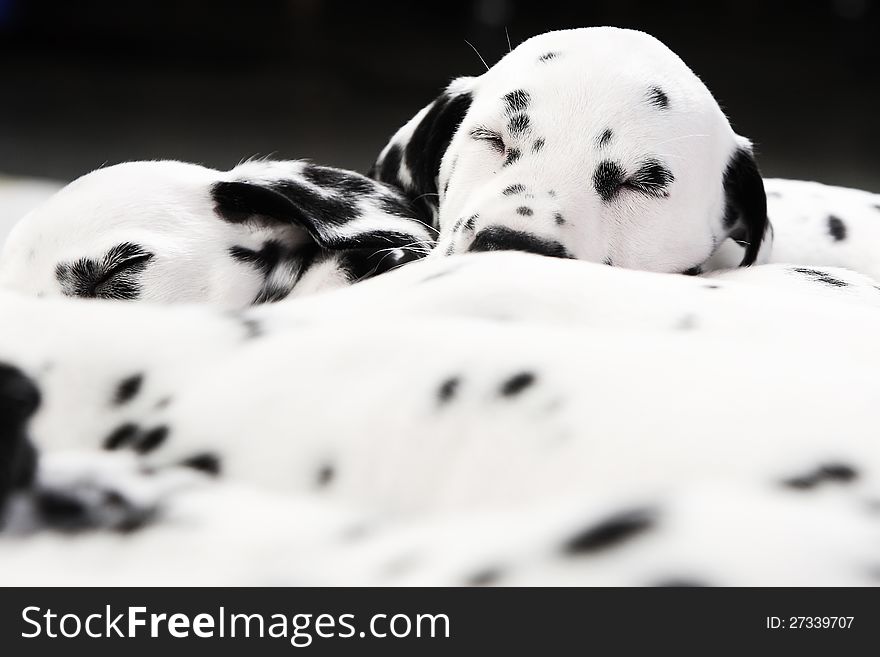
x=19 y=399
x=499 y=238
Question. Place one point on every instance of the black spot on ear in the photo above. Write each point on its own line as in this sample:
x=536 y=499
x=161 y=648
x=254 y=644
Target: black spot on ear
x=836 y=228
x=547 y=56
x=516 y=101
x=514 y=189
x=518 y=124
x=513 y=155
x=525 y=211
x=605 y=138
x=206 y=462
x=326 y=474
x=150 y=440
x=745 y=208
x=830 y=472
x=517 y=384
x=485 y=577
x=447 y=389
x=610 y=533
x=537 y=145
x=559 y=219
x=121 y=436
x=389 y=170
x=820 y=276
x=607 y=179
x=127 y=389
x=658 y=98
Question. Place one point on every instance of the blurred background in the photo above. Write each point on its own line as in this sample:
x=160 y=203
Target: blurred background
x=213 y=81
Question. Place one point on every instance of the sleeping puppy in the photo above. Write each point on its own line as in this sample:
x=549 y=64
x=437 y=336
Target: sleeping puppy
x=175 y=232
x=598 y=144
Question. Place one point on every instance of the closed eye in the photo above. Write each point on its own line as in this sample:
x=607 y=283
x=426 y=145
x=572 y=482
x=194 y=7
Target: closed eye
x=113 y=276
x=651 y=179
x=491 y=137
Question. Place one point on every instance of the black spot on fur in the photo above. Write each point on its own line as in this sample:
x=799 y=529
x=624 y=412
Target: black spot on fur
x=127 y=389
x=513 y=154
x=547 y=56
x=389 y=169
x=696 y=270
x=518 y=124
x=607 y=179
x=517 y=384
x=252 y=328
x=605 y=138
x=325 y=476
x=658 y=98
x=514 y=189
x=745 y=204
x=559 y=219
x=608 y=261
x=114 y=276
x=206 y=462
x=525 y=211
x=516 y=101
x=537 y=145
x=485 y=577
x=820 y=276
x=830 y=472
x=500 y=238
x=610 y=533
x=19 y=400
x=836 y=228
x=62 y=512
x=447 y=389
x=121 y=436
x=150 y=440
x=470 y=224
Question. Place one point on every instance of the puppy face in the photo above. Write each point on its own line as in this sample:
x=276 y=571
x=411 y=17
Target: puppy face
x=176 y=232
x=598 y=144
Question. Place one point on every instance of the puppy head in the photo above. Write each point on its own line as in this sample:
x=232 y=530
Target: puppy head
x=598 y=144
x=176 y=232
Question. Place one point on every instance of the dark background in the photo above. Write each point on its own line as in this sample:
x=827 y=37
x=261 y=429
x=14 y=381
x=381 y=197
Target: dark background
x=213 y=81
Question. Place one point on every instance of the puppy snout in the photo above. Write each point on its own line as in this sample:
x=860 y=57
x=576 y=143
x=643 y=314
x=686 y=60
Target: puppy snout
x=499 y=238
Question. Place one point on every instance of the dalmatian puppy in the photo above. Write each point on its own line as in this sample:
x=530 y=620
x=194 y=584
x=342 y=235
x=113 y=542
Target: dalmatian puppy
x=118 y=384
x=177 y=232
x=520 y=420
x=598 y=144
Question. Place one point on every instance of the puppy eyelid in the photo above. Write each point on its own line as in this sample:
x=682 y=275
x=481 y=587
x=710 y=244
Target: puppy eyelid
x=481 y=133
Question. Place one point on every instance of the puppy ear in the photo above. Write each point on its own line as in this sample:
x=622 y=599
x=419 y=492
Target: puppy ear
x=745 y=214
x=341 y=210
x=411 y=160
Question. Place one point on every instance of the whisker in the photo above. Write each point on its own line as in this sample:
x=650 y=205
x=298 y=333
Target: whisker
x=478 y=53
